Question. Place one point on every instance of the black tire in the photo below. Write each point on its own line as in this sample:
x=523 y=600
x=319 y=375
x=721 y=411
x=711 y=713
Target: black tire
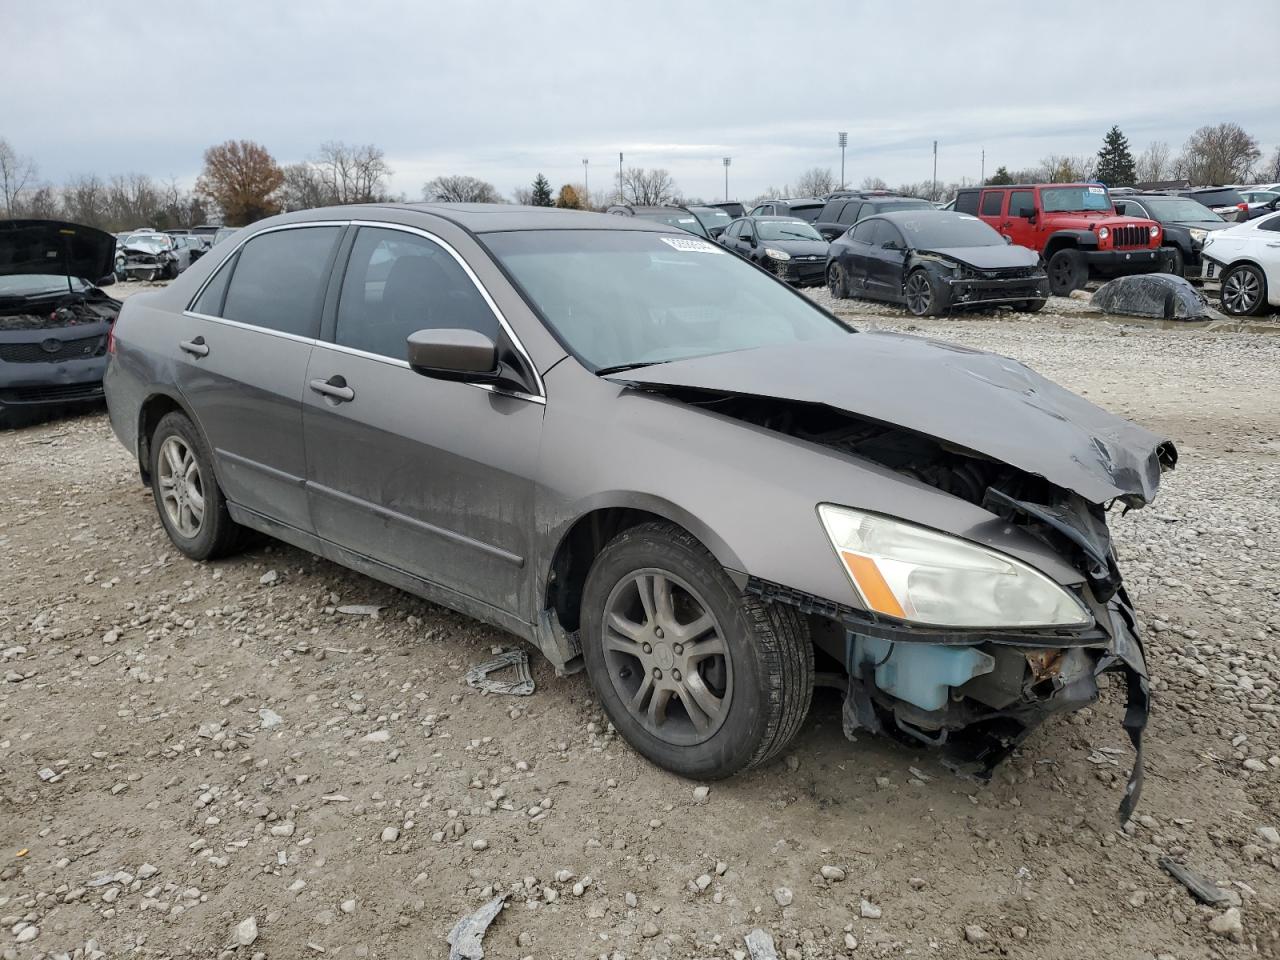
x=1244 y=291
x=837 y=282
x=1174 y=261
x=924 y=296
x=217 y=534
x=1031 y=306
x=768 y=656
x=1067 y=271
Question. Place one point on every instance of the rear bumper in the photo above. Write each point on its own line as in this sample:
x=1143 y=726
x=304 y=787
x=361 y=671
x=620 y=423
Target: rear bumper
x=1115 y=263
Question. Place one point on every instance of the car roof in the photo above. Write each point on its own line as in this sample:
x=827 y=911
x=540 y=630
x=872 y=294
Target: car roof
x=772 y=216
x=497 y=217
x=1029 y=186
x=895 y=216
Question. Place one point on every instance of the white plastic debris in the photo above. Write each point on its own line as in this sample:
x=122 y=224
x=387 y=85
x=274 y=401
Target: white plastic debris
x=760 y=945
x=465 y=938
x=518 y=660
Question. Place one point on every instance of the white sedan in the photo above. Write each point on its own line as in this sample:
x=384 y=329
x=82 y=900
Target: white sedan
x=1246 y=258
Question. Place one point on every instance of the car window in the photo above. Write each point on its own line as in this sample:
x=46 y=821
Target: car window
x=850 y=212
x=865 y=231
x=1271 y=223
x=397 y=283
x=279 y=280
x=967 y=202
x=210 y=300
x=992 y=202
x=885 y=233
x=1021 y=202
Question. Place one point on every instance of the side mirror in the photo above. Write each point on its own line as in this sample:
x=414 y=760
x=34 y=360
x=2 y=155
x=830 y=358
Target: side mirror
x=891 y=245
x=751 y=239
x=452 y=354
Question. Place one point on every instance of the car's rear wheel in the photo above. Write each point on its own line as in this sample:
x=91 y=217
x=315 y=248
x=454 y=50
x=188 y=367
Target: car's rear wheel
x=1067 y=271
x=701 y=679
x=1244 y=291
x=837 y=282
x=922 y=294
x=1031 y=306
x=188 y=498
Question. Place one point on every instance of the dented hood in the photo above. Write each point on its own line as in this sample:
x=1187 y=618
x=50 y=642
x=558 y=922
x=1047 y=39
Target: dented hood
x=987 y=404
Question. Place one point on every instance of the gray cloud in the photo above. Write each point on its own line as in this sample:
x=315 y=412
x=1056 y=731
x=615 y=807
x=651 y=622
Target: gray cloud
x=503 y=90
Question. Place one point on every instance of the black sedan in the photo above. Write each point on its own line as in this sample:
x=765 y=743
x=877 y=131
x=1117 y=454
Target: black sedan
x=787 y=247
x=933 y=261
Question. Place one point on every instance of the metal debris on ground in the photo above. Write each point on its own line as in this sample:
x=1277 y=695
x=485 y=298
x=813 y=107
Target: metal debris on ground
x=518 y=660
x=360 y=609
x=464 y=939
x=1197 y=886
x=760 y=945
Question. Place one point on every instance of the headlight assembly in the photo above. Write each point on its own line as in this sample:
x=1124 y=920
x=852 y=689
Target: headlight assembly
x=776 y=254
x=1198 y=235
x=1103 y=233
x=922 y=576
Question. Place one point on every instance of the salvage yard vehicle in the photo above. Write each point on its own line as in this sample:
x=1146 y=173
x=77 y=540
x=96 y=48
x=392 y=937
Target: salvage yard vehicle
x=1074 y=228
x=713 y=219
x=55 y=320
x=788 y=248
x=151 y=256
x=680 y=217
x=1184 y=223
x=802 y=208
x=653 y=462
x=933 y=261
x=1226 y=202
x=845 y=208
x=1246 y=259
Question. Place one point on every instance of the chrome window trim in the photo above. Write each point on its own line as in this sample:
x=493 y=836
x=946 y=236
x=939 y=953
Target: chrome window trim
x=249 y=326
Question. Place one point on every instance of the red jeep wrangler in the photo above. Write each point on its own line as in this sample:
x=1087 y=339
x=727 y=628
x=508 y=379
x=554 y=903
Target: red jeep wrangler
x=1074 y=228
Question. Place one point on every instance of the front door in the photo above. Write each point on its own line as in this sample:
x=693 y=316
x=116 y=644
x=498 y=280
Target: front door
x=241 y=361
x=1020 y=225
x=427 y=476
x=885 y=259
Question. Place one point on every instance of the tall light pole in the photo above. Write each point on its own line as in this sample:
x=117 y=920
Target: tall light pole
x=934 y=195
x=843 y=139
x=586 y=184
x=619 y=176
x=727 y=160
x=983 y=181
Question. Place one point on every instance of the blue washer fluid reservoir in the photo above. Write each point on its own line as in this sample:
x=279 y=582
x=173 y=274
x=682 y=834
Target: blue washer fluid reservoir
x=922 y=674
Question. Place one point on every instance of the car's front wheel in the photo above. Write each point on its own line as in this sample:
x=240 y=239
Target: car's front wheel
x=1244 y=291
x=1175 y=263
x=837 y=282
x=188 y=498
x=924 y=299
x=701 y=679
x=1067 y=271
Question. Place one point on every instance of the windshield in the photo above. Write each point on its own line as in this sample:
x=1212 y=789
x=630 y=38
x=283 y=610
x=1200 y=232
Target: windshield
x=37 y=284
x=1059 y=199
x=620 y=297
x=147 y=241
x=936 y=232
x=1177 y=208
x=786 y=230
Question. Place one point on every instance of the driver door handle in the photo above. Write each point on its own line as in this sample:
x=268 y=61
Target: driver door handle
x=335 y=388
x=194 y=347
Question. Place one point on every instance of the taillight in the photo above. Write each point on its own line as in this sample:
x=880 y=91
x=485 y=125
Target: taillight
x=111 y=339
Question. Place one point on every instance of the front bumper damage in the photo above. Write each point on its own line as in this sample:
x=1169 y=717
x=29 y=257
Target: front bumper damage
x=977 y=695
x=990 y=292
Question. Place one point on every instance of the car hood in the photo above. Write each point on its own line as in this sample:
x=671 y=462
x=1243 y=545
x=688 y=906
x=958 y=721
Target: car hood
x=56 y=247
x=799 y=248
x=1199 y=224
x=995 y=257
x=987 y=404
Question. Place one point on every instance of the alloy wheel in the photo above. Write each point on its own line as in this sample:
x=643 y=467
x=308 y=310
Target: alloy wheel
x=1240 y=292
x=181 y=487
x=667 y=657
x=835 y=281
x=919 y=293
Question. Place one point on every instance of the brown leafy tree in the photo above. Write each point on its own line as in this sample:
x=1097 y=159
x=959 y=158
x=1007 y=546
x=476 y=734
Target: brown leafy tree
x=242 y=179
x=568 y=198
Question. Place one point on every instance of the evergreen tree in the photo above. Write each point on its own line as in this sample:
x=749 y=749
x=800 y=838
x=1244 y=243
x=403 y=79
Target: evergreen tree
x=1115 y=162
x=541 y=192
x=1000 y=178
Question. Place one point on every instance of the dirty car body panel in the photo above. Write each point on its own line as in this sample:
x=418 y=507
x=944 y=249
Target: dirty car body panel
x=650 y=375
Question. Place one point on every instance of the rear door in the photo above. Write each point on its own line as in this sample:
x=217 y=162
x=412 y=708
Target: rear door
x=992 y=209
x=858 y=256
x=426 y=476
x=242 y=352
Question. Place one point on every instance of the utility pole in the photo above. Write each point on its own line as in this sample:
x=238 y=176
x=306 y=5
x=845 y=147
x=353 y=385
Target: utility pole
x=586 y=184
x=934 y=195
x=619 y=176
x=726 y=178
x=843 y=140
x=983 y=181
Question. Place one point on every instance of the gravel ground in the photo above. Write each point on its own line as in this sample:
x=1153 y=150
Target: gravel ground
x=202 y=760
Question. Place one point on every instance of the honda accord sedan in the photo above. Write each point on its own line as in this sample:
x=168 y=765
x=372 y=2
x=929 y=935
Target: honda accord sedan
x=934 y=261
x=651 y=461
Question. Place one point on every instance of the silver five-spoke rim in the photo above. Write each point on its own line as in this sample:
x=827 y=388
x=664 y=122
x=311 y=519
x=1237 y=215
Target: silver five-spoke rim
x=918 y=293
x=667 y=657
x=181 y=487
x=1240 y=291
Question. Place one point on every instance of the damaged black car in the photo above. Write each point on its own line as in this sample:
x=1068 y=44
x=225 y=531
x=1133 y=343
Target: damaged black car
x=935 y=261
x=654 y=462
x=55 y=320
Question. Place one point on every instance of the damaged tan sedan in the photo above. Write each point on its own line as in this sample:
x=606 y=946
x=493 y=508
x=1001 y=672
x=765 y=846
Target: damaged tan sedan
x=650 y=460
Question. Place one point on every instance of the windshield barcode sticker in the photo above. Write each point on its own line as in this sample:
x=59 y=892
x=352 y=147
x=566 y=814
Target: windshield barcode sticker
x=691 y=245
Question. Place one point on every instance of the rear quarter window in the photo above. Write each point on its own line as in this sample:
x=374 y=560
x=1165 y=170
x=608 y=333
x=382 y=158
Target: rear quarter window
x=967 y=202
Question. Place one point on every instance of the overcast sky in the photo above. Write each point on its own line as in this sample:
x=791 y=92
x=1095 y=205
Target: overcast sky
x=503 y=90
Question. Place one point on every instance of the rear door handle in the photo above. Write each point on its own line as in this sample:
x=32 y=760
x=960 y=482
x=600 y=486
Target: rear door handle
x=195 y=347
x=335 y=388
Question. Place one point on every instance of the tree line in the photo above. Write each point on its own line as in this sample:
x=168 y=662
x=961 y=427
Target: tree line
x=241 y=181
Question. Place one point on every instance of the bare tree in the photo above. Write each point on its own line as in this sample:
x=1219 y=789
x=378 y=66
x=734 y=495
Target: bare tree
x=815 y=182
x=649 y=188
x=873 y=183
x=1270 y=171
x=42 y=203
x=460 y=189
x=1154 y=163
x=1064 y=168
x=304 y=188
x=16 y=175
x=1224 y=153
x=353 y=174
x=523 y=196
x=772 y=193
x=84 y=200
